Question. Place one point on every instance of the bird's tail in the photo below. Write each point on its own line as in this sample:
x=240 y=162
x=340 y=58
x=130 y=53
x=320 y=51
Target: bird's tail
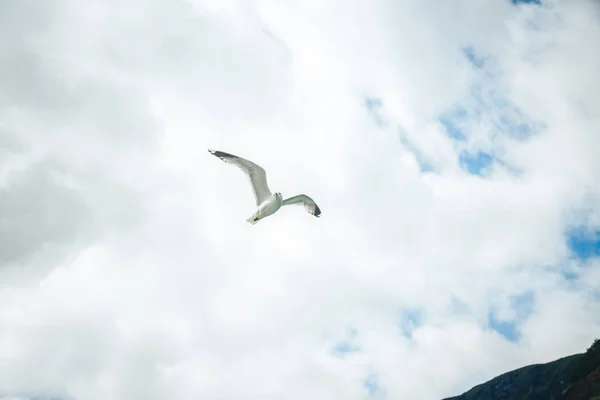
x=253 y=219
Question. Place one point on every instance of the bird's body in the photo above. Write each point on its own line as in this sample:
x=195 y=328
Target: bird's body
x=267 y=203
x=268 y=207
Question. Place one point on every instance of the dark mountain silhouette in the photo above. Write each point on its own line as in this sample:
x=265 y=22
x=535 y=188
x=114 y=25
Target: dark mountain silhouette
x=576 y=377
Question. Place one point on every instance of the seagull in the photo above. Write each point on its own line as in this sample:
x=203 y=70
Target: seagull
x=267 y=203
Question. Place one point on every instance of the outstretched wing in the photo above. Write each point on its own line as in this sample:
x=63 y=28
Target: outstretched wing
x=257 y=175
x=308 y=203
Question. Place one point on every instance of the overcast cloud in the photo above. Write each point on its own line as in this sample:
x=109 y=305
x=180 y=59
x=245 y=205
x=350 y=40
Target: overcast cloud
x=452 y=146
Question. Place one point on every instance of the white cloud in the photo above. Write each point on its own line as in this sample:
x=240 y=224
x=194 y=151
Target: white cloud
x=128 y=270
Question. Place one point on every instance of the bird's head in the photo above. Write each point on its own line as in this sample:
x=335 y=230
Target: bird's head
x=278 y=194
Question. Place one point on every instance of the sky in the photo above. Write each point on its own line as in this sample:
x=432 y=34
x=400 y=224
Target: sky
x=451 y=146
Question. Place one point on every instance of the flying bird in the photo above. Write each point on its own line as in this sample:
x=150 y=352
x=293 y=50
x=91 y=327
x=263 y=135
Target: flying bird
x=267 y=203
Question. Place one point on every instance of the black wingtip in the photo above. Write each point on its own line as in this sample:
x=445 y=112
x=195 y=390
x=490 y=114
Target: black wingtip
x=317 y=212
x=220 y=154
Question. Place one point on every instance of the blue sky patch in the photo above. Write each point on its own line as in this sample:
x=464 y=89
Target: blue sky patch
x=424 y=164
x=570 y=275
x=508 y=329
x=374 y=106
x=523 y=304
x=411 y=318
x=584 y=244
x=475 y=60
x=512 y=122
x=487 y=114
x=478 y=163
x=373 y=103
x=345 y=347
x=373 y=387
x=451 y=121
x=504 y=117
